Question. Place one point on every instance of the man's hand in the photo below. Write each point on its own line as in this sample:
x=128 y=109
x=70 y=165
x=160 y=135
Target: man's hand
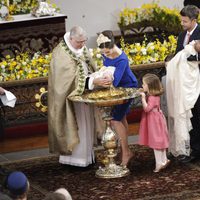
x=2 y=91
x=103 y=82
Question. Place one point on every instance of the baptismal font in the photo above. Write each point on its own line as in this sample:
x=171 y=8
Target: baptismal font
x=110 y=144
x=105 y=99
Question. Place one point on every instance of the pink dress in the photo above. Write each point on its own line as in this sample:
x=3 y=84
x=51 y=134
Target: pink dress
x=153 y=128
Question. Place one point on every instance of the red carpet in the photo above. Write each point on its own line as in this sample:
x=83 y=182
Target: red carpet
x=176 y=182
x=26 y=130
x=42 y=127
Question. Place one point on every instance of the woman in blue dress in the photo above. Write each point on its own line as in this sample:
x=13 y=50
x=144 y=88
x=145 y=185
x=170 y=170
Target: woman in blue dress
x=123 y=77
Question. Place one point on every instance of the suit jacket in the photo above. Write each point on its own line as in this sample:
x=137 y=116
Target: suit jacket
x=195 y=36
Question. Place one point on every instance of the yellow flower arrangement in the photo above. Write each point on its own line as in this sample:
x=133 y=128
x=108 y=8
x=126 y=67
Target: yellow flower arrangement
x=147 y=12
x=23 y=66
x=22 y=6
x=97 y=56
x=145 y=53
x=149 y=52
x=151 y=15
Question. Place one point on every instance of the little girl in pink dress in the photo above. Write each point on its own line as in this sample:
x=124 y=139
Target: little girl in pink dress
x=153 y=129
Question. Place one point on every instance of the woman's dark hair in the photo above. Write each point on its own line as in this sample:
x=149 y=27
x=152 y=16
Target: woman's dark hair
x=190 y=11
x=108 y=45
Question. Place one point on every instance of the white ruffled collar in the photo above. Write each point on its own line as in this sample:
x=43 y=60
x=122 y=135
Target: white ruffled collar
x=78 y=52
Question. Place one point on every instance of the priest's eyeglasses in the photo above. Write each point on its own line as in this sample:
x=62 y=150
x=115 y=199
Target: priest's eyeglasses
x=81 y=41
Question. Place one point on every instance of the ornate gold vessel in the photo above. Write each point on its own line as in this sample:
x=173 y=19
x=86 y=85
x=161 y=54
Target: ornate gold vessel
x=106 y=99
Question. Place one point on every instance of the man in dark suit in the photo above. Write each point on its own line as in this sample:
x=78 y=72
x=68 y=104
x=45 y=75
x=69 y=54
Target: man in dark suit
x=2 y=92
x=189 y=16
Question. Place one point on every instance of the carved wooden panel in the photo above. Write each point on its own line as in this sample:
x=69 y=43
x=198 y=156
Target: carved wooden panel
x=32 y=35
x=25 y=110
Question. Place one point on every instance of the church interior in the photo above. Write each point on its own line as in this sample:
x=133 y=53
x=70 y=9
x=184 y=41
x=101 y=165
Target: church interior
x=42 y=115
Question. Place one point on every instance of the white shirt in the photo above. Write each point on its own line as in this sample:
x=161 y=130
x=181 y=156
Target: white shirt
x=188 y=34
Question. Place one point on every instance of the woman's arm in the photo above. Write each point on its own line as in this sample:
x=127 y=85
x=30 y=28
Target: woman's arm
x=119 y=71
x=144 y=102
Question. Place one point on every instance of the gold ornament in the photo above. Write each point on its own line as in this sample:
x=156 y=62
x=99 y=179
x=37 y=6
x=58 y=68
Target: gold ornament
x=42 y=99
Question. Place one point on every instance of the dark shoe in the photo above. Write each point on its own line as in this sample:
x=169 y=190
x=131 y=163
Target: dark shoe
x=170 y=156
x=181 y=157
x=187 y=159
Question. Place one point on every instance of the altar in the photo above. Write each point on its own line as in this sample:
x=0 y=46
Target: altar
x=28 y=33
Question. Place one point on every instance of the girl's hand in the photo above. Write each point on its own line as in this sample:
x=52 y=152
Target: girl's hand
x=143 y=95
x=140 y=90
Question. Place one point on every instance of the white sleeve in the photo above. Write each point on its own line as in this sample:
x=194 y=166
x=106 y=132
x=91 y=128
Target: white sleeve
x=90 y=83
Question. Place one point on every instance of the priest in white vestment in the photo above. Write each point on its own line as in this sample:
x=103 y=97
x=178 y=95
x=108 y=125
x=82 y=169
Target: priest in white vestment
x=182 y=88
x=72 y=125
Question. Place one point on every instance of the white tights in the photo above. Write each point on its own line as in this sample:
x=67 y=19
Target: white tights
x=160 y=157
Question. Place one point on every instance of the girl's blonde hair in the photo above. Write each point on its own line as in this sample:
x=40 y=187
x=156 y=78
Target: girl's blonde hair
x=154 y=84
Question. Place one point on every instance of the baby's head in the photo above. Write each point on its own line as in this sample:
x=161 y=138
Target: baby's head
x=197 y=46
x=108 y=76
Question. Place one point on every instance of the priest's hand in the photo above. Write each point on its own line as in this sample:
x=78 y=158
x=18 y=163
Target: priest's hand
x=103 y=82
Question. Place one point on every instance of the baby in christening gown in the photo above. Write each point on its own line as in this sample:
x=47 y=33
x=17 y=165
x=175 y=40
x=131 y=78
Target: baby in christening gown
x=104 y=72
x=193 y=48
x=197 y=46
x=182 y=89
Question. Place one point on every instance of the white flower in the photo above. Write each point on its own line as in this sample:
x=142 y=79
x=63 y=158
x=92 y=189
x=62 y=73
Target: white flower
x=90 y=50
x=144 y=51
x=133 y=51
x=150 y=44
x=18 y=77
x=98 y=55
x=152 y=59
x=130 y=61
x=152 y=47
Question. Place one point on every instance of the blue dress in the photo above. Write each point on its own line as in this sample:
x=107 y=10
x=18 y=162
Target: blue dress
x=123 y=77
